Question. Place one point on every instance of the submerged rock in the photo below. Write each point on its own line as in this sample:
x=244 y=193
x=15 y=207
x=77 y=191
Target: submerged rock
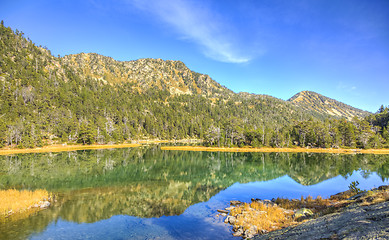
x=235 y=202
x=230 y=219
x=222 y=211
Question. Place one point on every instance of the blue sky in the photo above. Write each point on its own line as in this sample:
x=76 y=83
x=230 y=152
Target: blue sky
x=339 y=48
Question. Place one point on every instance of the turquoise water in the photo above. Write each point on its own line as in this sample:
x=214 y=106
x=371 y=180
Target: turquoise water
x=146 y=193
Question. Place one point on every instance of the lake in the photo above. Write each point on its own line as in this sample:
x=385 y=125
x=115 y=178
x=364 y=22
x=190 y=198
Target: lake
x=147 y=193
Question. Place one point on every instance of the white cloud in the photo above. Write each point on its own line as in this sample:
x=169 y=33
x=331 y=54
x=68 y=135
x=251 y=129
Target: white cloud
x=197 y=23
x=345 y=87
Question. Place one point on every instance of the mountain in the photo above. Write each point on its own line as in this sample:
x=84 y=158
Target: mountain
x=87 y=97
x=318 y=105
x=143 y=74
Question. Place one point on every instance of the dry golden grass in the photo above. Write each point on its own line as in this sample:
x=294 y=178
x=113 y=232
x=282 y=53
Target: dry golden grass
x=272 y=217
x=268 y=149
x=63 y=148
x=262 y=216
x=13 y=201
x=315 y=204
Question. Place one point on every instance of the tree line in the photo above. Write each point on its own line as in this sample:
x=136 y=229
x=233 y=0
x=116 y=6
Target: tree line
x=330 y=133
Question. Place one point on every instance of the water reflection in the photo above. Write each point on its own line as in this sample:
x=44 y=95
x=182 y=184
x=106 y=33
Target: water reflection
x=168 y=187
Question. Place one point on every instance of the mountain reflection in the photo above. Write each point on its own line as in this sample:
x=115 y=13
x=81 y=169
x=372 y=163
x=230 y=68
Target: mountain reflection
x=146 y=182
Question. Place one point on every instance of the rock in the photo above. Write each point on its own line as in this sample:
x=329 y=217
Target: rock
x=303 y=213
x=235 y=202
x=359 y=195
x=383 y=187
x=339 y=196
x=288 y=211
x=268 y=202
x=249 y=233
x=230 y=219
x=222 y=211
x=238 y=232
x=230 y=208
x=355 y=222
x=44 y=204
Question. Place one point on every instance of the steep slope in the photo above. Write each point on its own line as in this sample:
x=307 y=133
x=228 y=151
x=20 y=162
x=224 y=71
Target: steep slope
x=144 y=74
x=318 y=105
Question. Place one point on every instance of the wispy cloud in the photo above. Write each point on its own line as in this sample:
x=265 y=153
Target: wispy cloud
x=197 y=23
x=345 y=87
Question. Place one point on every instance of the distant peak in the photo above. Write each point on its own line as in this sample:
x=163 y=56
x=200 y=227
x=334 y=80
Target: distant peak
x=315 y=102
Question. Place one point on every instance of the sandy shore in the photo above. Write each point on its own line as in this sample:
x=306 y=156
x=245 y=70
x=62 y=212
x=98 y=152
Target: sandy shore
x=267 y=149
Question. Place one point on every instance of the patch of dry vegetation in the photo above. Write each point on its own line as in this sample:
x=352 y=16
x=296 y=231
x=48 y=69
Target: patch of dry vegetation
x=316 y=204
x=16 y=202
x=262 y=216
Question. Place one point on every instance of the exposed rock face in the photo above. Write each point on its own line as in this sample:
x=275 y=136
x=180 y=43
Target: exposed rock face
x=317 y=103
x=355 y=222
x=173 y=76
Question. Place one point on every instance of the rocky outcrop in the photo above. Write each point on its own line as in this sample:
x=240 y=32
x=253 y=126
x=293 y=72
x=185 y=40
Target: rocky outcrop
x=355 y=222
x=352 y=214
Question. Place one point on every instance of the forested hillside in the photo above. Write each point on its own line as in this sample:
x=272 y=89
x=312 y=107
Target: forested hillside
x=87 y=98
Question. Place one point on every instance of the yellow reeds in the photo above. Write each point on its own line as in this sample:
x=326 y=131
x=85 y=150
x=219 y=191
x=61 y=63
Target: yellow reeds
x=15 y=201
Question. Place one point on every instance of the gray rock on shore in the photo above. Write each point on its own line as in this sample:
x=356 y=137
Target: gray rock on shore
x=355 y=222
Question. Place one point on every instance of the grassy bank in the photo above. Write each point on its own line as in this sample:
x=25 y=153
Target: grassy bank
x=15 y=204
x=63 y=148
x=267 y=149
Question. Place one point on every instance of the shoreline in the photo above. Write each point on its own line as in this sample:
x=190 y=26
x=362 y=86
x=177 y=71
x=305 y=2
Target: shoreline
x=75 y=147
x=268 y=149
x=282 y=218
x=65 y=148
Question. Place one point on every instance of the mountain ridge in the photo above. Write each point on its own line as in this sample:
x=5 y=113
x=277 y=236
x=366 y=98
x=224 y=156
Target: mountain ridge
x=171 y=75
x=183 y=80
x=144 y=73
x=316 y=102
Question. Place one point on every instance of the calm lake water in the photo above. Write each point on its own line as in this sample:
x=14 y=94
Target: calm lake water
x=146 y=193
